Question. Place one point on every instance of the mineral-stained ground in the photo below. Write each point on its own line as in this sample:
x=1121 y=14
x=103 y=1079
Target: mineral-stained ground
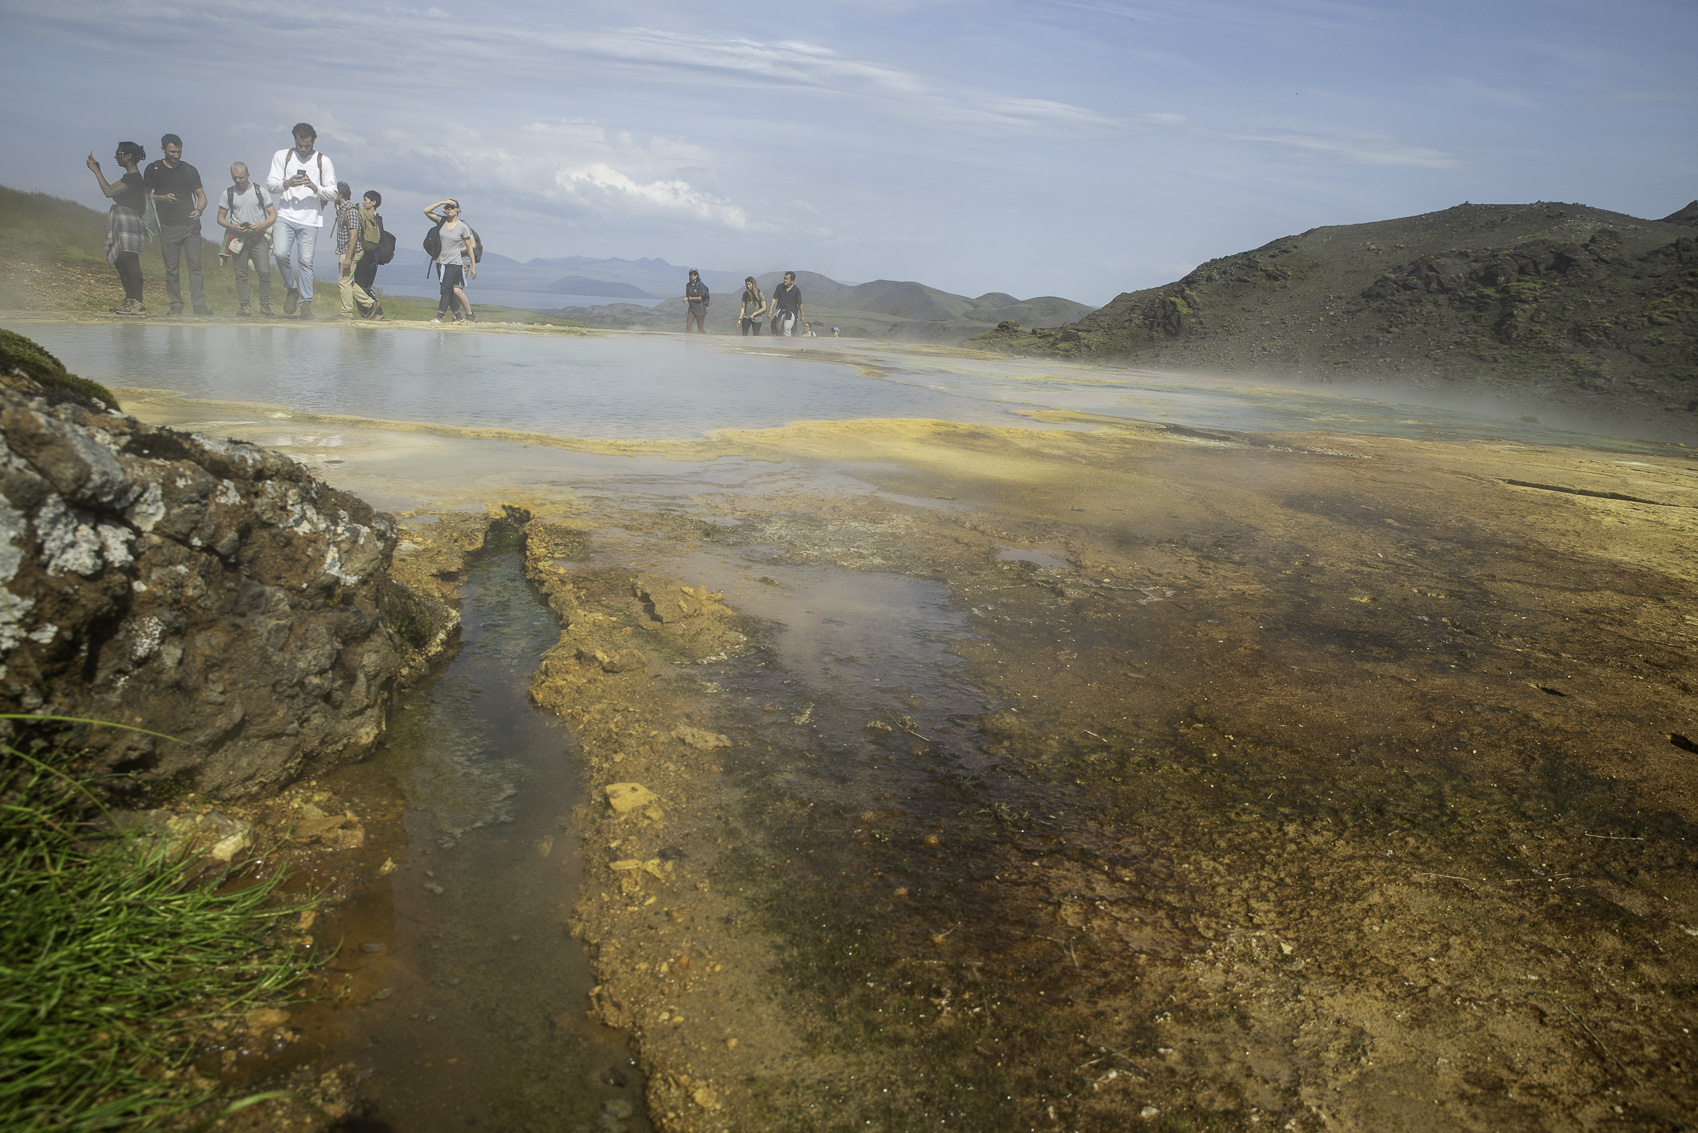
x=1122 y=777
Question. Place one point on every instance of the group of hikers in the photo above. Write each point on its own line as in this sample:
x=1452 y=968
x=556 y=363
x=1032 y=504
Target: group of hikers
x=280 y=219
x=784 y=308
x=167 y=200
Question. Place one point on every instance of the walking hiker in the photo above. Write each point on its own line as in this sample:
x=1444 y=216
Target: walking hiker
x=124 y=224
x=302 y=181
x=175 y=187
x=371 y=253
x=246 y=215
x=347 y=246
x=787 y=303
x=695 y=303
x=457 y=256
x=751 y=307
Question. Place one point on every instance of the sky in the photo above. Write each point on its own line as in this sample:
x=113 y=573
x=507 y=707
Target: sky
x=1041 y=147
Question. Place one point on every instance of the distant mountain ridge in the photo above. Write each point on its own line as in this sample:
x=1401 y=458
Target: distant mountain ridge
x=1569 y=301
x=887 y=309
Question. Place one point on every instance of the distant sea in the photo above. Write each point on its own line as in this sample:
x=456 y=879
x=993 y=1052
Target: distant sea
x=406 y=276
x=412 y=281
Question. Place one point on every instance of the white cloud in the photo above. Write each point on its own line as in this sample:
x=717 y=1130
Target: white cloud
x=574 y=162
x=1352 y=149
x=602 y=183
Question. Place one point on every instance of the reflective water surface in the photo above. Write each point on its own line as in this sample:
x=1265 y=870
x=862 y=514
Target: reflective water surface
x=654 y=386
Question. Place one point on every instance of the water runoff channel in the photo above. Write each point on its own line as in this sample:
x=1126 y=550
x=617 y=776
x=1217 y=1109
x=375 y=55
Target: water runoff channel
x=469 y=991
x=457 y=994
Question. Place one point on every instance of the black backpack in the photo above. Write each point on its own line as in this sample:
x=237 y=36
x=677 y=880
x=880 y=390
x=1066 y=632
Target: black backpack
x=433 y=247
x=385 y=243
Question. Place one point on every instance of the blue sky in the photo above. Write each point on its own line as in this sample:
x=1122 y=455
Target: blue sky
x=1079 y=148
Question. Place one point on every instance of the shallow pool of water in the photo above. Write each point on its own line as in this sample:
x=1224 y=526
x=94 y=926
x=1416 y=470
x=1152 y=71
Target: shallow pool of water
x=595 y=386
x=661 y=386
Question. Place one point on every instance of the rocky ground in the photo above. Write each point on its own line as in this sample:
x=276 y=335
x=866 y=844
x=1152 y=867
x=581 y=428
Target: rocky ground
x=1285 y=782
x=1122 y=778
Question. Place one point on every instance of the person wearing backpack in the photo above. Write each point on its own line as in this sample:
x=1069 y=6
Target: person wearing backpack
x=302 y=182
x=246 y=215
x=696 y=298
x=375 y=247
x=458 y=254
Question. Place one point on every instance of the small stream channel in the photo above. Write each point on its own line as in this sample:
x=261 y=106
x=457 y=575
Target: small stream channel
x=465 y=1002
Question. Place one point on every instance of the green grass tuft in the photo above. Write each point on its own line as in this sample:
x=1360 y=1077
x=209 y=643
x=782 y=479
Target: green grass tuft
x=114 y=957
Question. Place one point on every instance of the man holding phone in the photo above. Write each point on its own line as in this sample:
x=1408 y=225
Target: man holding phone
x=247 y=215
x=175 y=187
x=303 y=182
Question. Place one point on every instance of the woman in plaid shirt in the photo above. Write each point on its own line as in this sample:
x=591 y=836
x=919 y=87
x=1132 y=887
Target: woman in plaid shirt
x=124 y=224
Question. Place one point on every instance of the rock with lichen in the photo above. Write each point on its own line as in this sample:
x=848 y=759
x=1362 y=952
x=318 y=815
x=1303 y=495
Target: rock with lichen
x=199 y=589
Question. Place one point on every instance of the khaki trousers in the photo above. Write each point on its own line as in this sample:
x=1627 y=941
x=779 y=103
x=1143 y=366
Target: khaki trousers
x=352 y=292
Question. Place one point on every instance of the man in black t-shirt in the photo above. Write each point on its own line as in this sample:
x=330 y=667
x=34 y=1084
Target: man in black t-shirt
x=177 y=193
x=787 y=301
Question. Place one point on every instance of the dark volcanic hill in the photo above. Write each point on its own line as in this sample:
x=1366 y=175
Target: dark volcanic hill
x=1566 y=300
x=584 y=285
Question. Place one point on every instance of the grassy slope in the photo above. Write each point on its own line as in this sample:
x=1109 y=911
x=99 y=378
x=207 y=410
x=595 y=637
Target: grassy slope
x=60 y=249
x=1569 y=298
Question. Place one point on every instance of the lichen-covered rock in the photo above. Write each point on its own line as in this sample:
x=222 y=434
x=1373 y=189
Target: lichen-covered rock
x=206 y=590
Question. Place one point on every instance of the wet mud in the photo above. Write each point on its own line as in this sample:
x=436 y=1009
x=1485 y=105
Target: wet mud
x=1117 y=777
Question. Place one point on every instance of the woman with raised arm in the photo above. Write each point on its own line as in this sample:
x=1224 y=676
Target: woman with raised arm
x=457 y=258
x=124 y=224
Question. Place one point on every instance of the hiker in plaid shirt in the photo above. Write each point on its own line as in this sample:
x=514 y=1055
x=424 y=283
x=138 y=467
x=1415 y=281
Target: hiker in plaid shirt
x=347 y=244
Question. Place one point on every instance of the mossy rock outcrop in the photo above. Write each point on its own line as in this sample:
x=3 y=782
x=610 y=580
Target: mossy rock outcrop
x=26 y=358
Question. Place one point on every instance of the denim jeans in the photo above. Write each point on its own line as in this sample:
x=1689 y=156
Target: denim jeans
x=294 y=244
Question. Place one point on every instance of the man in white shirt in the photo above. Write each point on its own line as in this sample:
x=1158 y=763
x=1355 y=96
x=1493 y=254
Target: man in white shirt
x=302 y=183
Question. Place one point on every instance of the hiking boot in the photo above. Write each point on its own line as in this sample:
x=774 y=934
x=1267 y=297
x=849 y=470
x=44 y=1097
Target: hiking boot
x=291 y=299
x=203 y=312
x=244 y=312
x=127 y=307
x=265 y=309
x=471 y=318
x=174 y=311
x=306 y=309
